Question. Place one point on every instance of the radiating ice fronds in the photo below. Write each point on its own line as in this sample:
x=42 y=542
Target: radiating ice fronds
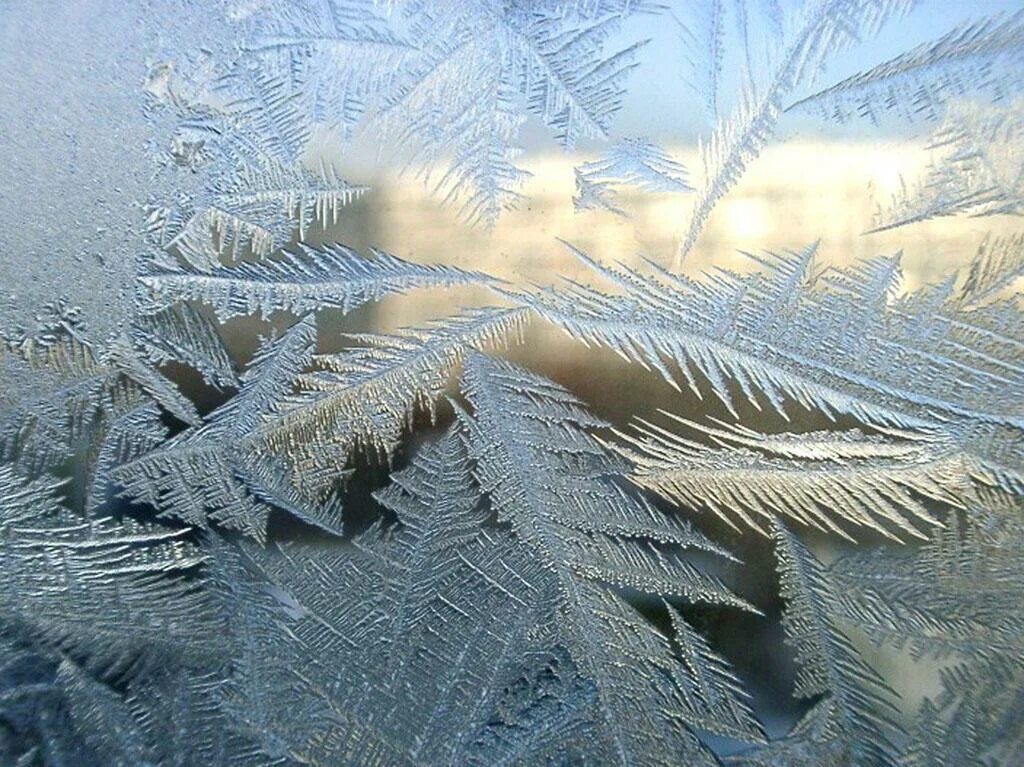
x=998 y=264
x=828 y=480
x=702 y=30
x=951 y=598
x=592 y=194
x=568 y=78
x=366 y=395
x=71 y=385
x=977 y=171
x=288 y=430
x=554 y=484
x=863 y=710
x=456 y=106
x=256 y=105
x=233 y=167
x=434 y=499
x=182 y=334
x=260 y=206
x=947 y=735
x=422 y=644
x=824 y=28
x=118 y=438
x=576 y=512
x=23 y=499
x=178 y=581
x=982 y=58
x=810 y=742
x=109 y=590
x=636 y=164
x=304 y=280
x=218 y=472
x=335 y=58
x=448 y=81
x=837 y=342
x=954 y=600
x=165 y=717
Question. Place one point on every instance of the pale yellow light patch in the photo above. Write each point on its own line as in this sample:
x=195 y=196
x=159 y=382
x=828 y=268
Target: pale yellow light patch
x=794 y=194
x=749 y=220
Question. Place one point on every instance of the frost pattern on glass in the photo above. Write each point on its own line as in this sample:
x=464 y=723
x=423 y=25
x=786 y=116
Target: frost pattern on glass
x=255 y=512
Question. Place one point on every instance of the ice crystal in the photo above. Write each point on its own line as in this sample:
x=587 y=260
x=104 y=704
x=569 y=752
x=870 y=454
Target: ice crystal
x=400 y=548
x=634 y=163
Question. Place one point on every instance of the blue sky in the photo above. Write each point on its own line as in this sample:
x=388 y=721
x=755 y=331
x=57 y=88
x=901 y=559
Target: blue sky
x=661 y=106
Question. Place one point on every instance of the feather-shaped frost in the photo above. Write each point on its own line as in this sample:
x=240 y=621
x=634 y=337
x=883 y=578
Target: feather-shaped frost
x=998 y=263
x=703 y=34
x=978 y=171
x=182 y=334
x=366 y=395
x=168 y=716
x=122 y=357
x=218 y=472
x=564 y=73
x=817 y=479
x=594 y=194
x=824 y=28
x=261 y=206
x=306 y=280
x=402 y=648
x=984 y=57
x=863 y=713
x=811 y=741
x=938 y=737
x=334 y=58
x=73 y=385
x=238 y=188
x=489 y=620
x=953 y=597
x=838 y=342
x=120 y=438
x=265 y=108
x=553 y=483
x=110 y=590
x=456 y=105
x=633 y=163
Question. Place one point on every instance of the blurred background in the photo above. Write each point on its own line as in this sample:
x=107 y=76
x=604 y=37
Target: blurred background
x=816 y=182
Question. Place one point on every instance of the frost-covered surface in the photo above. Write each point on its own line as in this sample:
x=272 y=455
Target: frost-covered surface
x=244 y=519
x=81 y=149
